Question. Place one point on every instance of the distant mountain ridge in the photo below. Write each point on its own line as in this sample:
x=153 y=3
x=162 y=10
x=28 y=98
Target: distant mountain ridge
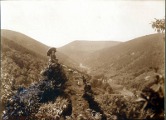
x=88 y=45
x=79 y=50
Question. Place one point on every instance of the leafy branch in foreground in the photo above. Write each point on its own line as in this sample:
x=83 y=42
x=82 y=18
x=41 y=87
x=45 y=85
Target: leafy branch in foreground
x=159 y=25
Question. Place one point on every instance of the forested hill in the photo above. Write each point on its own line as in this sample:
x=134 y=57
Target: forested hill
x=25 y=41
x=142 y=52
x=30 y=44
x=129 y=63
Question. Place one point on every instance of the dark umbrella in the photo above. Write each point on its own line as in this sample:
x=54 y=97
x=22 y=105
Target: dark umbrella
x=50 y=51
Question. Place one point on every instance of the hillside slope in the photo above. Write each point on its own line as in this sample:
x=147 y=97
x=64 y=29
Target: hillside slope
x=130 y=59
x=25 y=41
x=35 y=46
x=81 y=50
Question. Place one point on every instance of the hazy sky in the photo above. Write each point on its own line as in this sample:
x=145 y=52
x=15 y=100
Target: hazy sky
x=56 y=23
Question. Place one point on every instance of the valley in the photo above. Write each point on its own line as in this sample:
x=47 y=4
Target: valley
x=116 y=74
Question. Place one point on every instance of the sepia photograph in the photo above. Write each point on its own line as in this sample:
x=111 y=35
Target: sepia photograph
x=82 y=60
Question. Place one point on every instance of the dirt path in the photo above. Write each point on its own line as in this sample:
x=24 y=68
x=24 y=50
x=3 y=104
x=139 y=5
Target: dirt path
x=82 y=108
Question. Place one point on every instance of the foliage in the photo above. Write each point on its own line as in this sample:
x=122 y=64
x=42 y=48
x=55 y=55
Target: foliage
x=153 y=97
x=53 y=110
x=26 y=101
x=19 y=68
x=104 y=85
x=150 y=104
x=159 y=25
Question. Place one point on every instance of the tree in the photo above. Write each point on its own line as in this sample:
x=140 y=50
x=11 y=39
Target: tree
x=159 y=25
